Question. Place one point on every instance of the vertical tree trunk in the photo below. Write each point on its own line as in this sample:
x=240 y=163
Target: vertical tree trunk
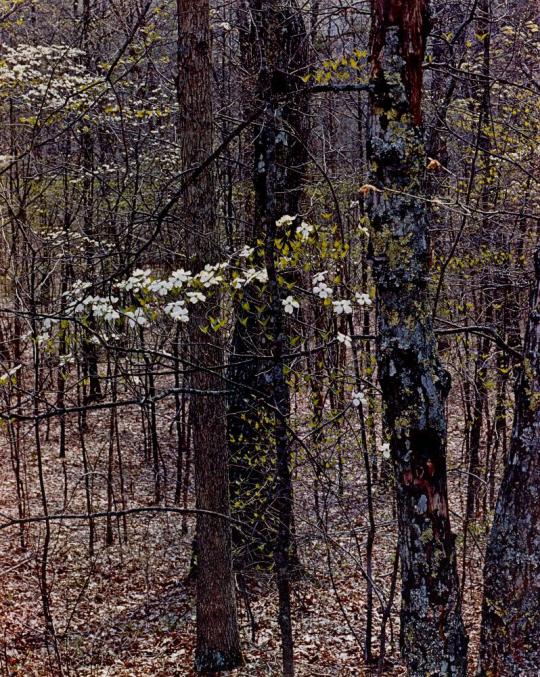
x=218 y=640
x=278 y=43
x=493 y=238
x=89 y=349
x=274 y=45
x=510 y=638
x=413 y=383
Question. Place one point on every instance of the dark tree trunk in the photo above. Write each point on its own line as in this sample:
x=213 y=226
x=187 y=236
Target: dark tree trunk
x=275 y=53
x=413 y=383
x=510 y=638
x=218 y=640
x=259 y=409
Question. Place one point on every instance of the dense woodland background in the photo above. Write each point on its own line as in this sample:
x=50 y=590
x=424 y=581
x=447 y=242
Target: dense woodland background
x=268 y=330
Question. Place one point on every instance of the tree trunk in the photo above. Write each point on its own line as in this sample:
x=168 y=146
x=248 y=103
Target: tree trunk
x=274 y=53
x=278 y=41
x=218 y=640
x=413 y=383
x=510 y=638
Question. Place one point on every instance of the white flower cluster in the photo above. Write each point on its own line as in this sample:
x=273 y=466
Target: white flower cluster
x=48 y=322
x=285 y=220
x=195 y=297
x=193 y=288
x=320 y=288
x=304 y=229
x=209 y=277
x=178 y=311
x=142 y=280
x=224 y=26
x=77 y=242
x=342 y=307
x=161 y=287
x=385 y=450
x=251 y=274
x=359 y=398
x=101 y=306
x=170 y=157
x=47 y=75
x=136 y=317
x=106 y=168
x=137 y=282
x=78 y=288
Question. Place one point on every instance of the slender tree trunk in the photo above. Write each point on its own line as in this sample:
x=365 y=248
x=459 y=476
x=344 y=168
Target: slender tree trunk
x=493 y=238
x=413 y=383
x=218 y=640
x=510 y=637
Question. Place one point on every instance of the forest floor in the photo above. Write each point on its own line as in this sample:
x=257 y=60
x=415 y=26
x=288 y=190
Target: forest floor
x=127 y=610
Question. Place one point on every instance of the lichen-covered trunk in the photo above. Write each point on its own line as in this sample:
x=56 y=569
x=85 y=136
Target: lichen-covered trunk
x=218 y=640
x=413 y=382
x=510 y=638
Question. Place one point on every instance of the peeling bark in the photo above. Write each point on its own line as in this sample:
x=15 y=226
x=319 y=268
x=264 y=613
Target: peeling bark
x=413 y=382
x=411 y=19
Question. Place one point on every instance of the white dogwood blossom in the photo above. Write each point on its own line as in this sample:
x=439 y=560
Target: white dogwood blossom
x=359 y=398
x=208 y=276
x=322 y=290
x=285 y=220
x=161 y=287
x=345 y=339
x=195 y=296
x=238 y=282
x=178 y=311
x=342 y=307
x=261 y=275
x=180 y=277
x=304 y=230
x=289 y=304
x=363 y=299
x=48 y=77
x=136 y=317
x=246 y=252
x=138 y=280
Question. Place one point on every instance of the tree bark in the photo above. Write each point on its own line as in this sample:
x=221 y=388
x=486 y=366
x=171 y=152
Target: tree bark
x=413 y=383
x=275 y=54
x=258 y=421
x=218 y=640
x=510 y=637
